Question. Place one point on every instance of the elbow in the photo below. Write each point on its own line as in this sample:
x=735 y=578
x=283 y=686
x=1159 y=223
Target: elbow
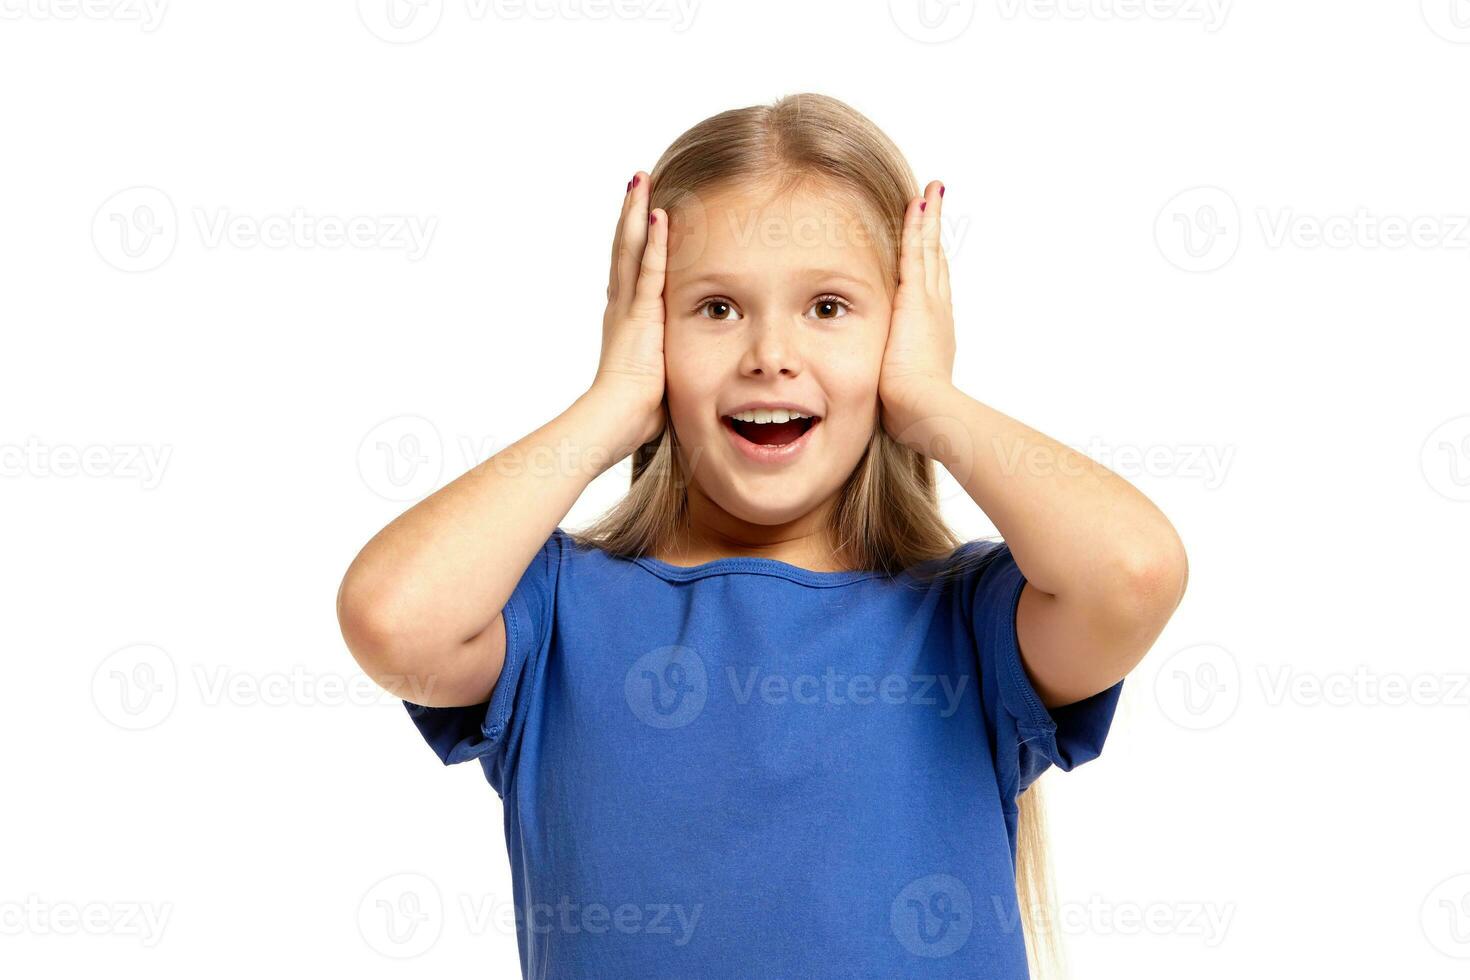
x=1151 y=581
x=1144 y=590
x=373 y=631
x=388 y=640
x=403 y=649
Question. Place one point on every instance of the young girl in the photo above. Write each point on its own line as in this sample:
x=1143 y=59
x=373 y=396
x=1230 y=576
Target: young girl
x=769 y=716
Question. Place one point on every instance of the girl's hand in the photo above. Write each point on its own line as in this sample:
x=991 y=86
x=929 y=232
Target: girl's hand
x=918 y=361
x=631 y=368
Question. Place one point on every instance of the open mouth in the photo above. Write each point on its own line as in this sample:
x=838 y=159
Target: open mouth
x=770 y=433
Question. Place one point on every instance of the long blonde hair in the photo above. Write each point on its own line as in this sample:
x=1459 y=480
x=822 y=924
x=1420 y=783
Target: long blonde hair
x=887 y=514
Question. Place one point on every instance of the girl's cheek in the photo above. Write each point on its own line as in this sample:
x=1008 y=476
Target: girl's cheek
x=855 y=374
x=684 y=368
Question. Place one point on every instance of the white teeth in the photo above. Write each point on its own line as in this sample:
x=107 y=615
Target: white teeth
x=768 y=415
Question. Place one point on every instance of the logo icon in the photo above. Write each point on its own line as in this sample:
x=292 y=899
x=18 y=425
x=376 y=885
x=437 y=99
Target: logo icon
x=667 y=687
x=400 y=21
x=933 y=916
x=402 y=458
x=136 y=687
x=1445 y=917
x=1450 y=19
x=1199 y=229
x=932 y=21
x=1445 y=458
x=135 y=230
x=401 y=916
x=1199 y=687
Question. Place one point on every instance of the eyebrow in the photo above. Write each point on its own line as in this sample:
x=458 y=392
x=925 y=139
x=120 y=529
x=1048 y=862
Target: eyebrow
x=716 y=279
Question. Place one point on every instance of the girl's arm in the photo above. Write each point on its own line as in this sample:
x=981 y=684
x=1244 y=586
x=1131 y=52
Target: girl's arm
x=1104 y=568
x=420 y=606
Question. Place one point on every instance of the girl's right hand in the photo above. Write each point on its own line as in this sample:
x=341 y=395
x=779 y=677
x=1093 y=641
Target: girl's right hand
x=632 y=364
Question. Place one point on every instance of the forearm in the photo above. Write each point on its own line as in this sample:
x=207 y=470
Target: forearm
x=442 y=571
x=1077 y=530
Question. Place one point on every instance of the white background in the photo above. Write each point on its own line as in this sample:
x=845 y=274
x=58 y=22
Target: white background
x=199 y=432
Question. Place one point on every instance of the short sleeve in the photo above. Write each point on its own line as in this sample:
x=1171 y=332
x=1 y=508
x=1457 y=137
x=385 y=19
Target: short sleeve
x=481 y=731
x=1028 y=737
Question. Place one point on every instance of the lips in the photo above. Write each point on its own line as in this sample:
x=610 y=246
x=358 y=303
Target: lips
x=770 y=433
x=780 y=441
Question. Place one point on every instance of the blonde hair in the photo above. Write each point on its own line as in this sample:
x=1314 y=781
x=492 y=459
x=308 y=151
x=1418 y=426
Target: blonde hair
x=887 y=514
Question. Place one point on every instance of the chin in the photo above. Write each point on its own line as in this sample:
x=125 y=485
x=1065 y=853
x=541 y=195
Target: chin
x=753 y=510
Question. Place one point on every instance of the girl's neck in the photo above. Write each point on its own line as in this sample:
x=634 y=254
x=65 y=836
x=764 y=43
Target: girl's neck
x=713 y=533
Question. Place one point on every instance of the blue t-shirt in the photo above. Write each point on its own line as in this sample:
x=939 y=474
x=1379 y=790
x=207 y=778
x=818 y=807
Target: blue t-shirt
x=746 y=769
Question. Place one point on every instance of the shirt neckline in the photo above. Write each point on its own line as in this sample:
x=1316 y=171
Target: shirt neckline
x=754 y=566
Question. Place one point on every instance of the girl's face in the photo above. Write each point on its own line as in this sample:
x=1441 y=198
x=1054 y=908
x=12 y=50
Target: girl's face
x=772 y=303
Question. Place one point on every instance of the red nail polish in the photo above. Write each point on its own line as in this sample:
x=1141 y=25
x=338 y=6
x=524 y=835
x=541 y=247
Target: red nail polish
x=652 y=218
x=635 y=180
x=923 y=205
x=628 y=188
x=941 y=190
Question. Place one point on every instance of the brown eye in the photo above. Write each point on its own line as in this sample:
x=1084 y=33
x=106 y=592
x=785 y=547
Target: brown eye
x=830 y=307
x=718 y=309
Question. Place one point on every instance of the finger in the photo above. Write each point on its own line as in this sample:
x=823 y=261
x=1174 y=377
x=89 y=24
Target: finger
x=617 y=237
x=632 y=233
x=929 y=234
x=911 y=258
x=648 y=295
x=943 y=258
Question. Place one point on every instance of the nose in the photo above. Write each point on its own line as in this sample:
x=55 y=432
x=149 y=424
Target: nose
x=773 y=350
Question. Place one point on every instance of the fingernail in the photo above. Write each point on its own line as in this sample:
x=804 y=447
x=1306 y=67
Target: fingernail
x=941 y=190
x=635 y=181
x=652 y=218
x=628 y=188
x=923 y=205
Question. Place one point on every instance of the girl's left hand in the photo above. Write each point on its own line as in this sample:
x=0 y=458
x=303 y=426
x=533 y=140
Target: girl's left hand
x=919 y=358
